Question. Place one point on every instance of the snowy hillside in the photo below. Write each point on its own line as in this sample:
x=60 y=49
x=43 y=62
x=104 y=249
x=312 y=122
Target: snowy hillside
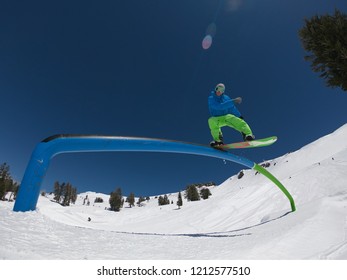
x=247 y=218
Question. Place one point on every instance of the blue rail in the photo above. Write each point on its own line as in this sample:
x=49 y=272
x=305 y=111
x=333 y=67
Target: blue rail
x=29 y=190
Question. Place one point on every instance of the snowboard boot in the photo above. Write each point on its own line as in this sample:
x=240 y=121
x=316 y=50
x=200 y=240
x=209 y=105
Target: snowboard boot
x=248 y=137
x=216 y=143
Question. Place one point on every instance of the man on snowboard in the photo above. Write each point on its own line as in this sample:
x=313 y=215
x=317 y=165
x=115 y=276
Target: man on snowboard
x=224 y=113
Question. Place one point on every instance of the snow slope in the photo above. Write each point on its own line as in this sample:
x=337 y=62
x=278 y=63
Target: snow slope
x=247 y=218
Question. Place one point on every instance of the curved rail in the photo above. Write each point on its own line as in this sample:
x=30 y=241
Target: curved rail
x=29 y=190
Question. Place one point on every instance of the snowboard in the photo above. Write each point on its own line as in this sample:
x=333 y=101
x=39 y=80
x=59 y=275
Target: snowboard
x=249 y=144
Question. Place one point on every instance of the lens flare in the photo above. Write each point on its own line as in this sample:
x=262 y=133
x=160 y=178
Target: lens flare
x=207 y=42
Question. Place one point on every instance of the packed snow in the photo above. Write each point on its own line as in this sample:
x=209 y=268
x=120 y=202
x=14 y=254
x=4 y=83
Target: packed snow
x=247 y=218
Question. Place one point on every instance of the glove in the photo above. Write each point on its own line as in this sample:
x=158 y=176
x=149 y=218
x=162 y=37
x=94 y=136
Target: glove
x=237 y=100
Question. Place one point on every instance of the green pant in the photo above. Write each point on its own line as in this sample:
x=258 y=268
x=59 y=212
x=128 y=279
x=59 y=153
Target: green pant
x=215 y=124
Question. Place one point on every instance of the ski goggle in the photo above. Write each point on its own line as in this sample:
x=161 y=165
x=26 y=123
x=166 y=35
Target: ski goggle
x=220 y=89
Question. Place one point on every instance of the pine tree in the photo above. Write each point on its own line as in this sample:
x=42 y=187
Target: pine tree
x=116 y=200
x=131 y=199
x=166 y=200
x=160 y=200
x=64 y=193
x=5 y=180
x=98 y=200
x=57 y=192
x=325 y=38
x=139 y=202
x=66 y=188
x=15 y=189
x=163 y=200
x=192 y=193
x=205 y=193
x=179 y=200
x=7 y=184
x=73 y=195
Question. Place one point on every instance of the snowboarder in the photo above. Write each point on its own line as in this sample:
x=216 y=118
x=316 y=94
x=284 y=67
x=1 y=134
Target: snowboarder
x=224 y=113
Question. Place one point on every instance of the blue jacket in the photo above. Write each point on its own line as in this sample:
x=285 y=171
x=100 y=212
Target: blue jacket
x=221 y=105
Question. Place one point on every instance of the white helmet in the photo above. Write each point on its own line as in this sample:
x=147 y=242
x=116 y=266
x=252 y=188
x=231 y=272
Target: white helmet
x=220 y=87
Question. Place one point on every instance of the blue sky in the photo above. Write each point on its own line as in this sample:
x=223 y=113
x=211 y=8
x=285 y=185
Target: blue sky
x=137 y=68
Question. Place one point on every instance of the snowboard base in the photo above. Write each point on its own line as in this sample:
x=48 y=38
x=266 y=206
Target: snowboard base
x=248 y=144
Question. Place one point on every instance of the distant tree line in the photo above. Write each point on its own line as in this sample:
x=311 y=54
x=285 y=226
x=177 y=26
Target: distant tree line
x=163 y=200
x=195 y=192
x=64 y=193
x=7 y=184
x=117 y=200
x=141 y=199
x=98 y=200
x=199 y=185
